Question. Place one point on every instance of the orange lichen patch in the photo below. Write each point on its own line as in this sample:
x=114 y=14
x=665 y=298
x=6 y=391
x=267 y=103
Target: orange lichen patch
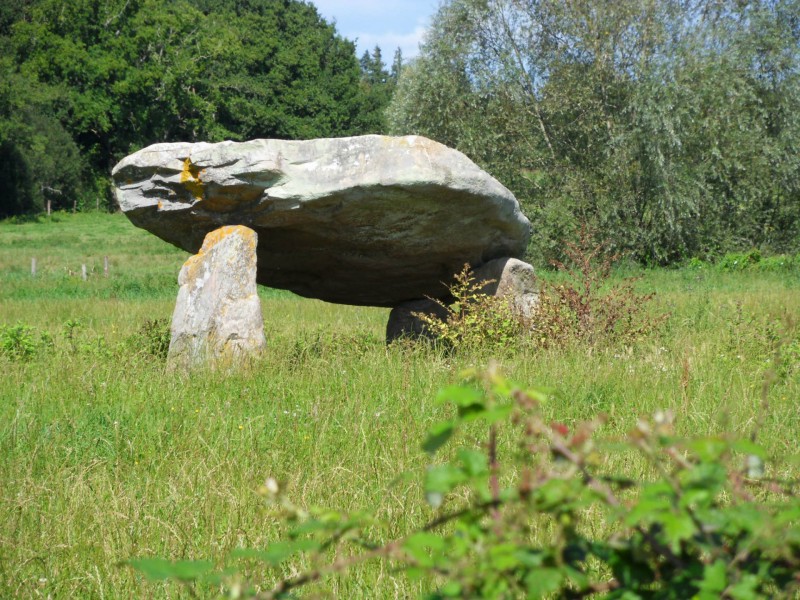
x=216 y=236
x=212 y=239
x=190 y=178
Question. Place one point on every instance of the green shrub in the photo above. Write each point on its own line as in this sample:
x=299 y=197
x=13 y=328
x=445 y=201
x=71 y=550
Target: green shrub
x=22 y=342
x=475 y=319
x=548 y=518
x=696 y=264
x=18 y=342
x=778 y=263
x=739 y=261
x=153 y=338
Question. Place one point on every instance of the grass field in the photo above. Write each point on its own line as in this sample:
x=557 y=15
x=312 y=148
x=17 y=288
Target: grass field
x=105 y=456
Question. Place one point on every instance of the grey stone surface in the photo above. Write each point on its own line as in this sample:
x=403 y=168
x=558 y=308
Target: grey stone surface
x=404 y=320
x=217 y=318
x=369 y=220
x=513 y=279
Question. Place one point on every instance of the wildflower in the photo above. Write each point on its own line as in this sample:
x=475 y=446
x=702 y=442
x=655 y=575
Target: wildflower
x=269 y=488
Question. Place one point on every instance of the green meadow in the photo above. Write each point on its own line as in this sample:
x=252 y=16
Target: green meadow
x=106 y=456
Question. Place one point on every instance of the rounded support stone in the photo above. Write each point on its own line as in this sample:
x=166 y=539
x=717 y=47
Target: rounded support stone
x=405 y=322
x=504 y=277
x=513 y=279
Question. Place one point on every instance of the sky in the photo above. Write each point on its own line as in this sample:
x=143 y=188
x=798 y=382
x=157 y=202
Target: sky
x=388 y=23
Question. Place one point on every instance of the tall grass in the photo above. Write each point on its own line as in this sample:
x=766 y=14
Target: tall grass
x=105 y=456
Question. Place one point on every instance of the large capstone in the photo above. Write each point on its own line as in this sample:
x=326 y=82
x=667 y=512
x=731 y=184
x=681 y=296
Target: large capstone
x=369 y=220
x=217 y=318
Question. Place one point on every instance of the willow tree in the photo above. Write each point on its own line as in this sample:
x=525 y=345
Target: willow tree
x=668 y=125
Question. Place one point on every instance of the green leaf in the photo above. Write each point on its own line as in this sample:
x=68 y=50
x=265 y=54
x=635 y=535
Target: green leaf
x=554 y=494
x=438 y=436
x=696 y=497
x=656 y=499
x=441 y=479
x=479 y=413
x=677 y=528
x=475 y=463
x=745 y=589
x=708 y=449
x=746 y=517
x=423 y=546
x=503 y=557
x=714 y=578
x=530 y=558
x=541 y=582
x=451 y=589
x=157 y=569
x=471 y=412
x=277 y=552
x=748 y=447
x=460 y=395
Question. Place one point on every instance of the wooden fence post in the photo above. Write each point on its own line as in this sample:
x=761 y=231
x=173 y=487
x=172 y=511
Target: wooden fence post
x=105 y=266
x=83 y=272
x=48 y=208
x=33 y=267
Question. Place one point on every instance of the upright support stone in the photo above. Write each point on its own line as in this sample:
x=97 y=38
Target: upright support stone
x=513 y=279
x=217 y=319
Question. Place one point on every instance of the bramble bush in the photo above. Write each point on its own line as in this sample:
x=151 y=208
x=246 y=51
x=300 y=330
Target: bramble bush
x=588 y=306
x=548 y=517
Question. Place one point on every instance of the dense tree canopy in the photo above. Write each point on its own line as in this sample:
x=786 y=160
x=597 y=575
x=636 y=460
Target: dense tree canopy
x=85 y=82
x=670 y=125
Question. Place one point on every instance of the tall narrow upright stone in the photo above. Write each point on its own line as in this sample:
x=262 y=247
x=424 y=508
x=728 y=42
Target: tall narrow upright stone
x=217 y=319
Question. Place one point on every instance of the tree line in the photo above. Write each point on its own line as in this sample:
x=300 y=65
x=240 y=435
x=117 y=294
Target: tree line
x=84 y=83
x=671 y=127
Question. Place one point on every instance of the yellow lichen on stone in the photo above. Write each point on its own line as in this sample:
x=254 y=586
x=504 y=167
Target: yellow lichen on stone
x=213 y=238
x=216 y=236
x=190 y=178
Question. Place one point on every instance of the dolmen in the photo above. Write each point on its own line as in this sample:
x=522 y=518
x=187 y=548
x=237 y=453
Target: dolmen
x=369 y=220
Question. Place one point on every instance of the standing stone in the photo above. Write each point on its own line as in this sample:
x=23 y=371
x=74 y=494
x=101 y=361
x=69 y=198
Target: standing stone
x=513 y=279
x=217 y=319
